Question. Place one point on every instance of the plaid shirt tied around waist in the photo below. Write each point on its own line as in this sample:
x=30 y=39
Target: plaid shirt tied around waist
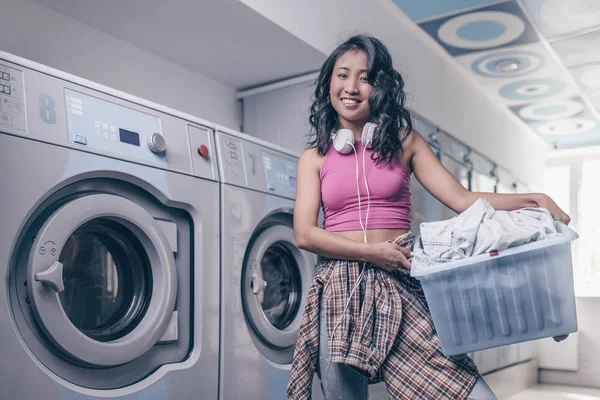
x=390 y=336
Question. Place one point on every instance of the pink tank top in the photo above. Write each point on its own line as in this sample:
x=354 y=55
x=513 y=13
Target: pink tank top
x=389 y=188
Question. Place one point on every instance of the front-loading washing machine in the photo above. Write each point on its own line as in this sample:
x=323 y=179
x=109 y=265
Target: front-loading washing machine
x=264 y=276
x=108 y=243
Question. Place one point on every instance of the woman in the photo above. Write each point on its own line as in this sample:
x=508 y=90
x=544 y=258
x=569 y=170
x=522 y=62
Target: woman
x=366 y=319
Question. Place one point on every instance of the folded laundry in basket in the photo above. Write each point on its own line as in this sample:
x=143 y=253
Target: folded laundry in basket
x=481 y=229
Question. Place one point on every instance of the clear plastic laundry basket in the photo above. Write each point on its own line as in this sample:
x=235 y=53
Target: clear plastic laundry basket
x=522 y=293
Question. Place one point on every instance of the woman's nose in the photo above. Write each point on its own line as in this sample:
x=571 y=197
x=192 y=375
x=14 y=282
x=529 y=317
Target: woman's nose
x=351 y=87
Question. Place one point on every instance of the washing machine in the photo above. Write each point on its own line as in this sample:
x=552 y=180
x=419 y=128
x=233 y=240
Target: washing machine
x=108 y=243
x=264 y=276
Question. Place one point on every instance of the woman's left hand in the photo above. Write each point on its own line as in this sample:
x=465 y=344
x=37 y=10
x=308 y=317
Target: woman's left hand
x=544 y=201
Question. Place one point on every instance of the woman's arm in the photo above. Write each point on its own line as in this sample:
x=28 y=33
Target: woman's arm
x=438 y=181
x=317 y=240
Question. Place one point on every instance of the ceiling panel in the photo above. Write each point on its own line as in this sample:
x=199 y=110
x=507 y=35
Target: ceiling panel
x=595 y=99
x=588 y=77
x=578 y=50
x=560 y=17
x=486 y=28
x=418 y=11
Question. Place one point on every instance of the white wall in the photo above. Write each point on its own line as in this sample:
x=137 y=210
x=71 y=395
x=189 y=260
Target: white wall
x=280 y=116
x=35 y=32
x=588 y=373
x=439 y=89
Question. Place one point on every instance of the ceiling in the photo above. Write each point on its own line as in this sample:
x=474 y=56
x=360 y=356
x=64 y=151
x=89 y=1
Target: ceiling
x=538 y=58
x=224 y=40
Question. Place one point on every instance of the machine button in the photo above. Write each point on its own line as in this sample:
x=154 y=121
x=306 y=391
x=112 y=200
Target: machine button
x=80 y=139
x=156 y=143
x=203 y=150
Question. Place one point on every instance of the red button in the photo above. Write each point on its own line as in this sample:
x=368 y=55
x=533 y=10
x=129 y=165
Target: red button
x=203 y=151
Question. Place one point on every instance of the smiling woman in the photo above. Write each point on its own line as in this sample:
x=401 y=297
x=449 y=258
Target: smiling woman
x=366 y=319
x=352 y=101
x=360 y=73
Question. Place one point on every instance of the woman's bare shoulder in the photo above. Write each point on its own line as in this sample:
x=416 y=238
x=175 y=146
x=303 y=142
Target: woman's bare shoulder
x=311 y=158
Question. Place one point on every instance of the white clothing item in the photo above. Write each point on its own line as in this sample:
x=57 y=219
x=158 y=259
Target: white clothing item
x=481 y=229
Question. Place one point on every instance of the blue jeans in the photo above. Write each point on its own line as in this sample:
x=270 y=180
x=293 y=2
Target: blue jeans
x=343 y=383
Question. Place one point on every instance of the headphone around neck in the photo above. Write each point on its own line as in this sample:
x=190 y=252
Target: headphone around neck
x=343 y=139
x=343 y=142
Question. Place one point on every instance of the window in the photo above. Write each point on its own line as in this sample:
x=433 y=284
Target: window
x=557 y=181
x=573 y=184
x=587 y=256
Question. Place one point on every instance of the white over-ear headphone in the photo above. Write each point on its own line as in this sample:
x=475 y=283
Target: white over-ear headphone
x=343 y=139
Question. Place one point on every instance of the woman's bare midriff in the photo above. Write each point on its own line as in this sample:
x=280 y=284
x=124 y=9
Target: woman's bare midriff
x=373 y=235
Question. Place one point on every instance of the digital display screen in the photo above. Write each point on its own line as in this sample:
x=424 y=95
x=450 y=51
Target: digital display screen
x=129 y=137
x=280 y=173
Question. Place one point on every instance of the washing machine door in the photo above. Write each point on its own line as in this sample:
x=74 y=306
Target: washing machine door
x=101 y=279
x=276 y=273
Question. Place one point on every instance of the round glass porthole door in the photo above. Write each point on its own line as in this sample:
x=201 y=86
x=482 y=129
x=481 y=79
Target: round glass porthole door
x=107 y=280
x=275 y=275
x=102 y=280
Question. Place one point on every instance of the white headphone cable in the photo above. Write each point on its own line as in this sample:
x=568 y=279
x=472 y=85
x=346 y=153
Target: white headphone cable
x=367 y=187
x=358 y=191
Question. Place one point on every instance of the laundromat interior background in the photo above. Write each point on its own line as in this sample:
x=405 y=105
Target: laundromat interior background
x=507 y=92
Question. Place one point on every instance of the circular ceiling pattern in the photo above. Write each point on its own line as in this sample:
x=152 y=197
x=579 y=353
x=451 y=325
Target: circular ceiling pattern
x=571 y=126
x=531 y=89
x=481 y=30
x=507 y=64
x=551 y=110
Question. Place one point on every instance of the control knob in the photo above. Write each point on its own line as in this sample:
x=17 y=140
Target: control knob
x=156 y=143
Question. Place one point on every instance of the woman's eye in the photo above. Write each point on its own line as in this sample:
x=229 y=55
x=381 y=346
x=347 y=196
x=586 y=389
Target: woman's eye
x=365 y=79
x=341 y=76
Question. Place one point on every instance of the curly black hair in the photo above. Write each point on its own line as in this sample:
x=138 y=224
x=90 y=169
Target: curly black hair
x=386 y=102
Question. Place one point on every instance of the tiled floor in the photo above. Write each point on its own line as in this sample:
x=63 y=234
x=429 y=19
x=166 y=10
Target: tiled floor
x=537 y=392
x=555 y=392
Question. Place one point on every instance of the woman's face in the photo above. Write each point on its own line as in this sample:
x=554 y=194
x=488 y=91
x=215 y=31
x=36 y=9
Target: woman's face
x=350 y=90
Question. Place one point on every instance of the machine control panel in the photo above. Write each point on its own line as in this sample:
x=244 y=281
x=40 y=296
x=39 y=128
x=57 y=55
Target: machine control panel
x=234 y=168
x=280 y=174
x=250 y=164
x=52 y=107
x=12 y=110
x=103 y=125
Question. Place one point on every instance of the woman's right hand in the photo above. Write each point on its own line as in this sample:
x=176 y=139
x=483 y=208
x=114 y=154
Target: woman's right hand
x=389 y=256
